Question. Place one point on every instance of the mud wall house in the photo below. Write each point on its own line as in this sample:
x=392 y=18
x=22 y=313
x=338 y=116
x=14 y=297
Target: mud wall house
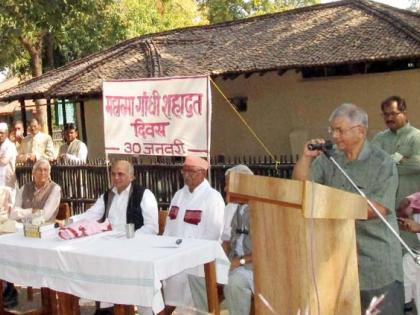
x=288 y=70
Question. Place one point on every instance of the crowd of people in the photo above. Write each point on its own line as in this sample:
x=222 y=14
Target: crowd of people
x=196 y=211
x=386 y=169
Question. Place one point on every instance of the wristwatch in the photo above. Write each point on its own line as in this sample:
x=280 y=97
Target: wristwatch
x=242 y=261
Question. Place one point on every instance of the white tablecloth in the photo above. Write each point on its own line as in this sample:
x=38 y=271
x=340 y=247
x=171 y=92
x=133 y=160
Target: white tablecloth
x=107 y=267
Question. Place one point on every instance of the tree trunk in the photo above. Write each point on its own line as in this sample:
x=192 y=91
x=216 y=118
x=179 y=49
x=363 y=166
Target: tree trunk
x=35 y=51
x=49 y=50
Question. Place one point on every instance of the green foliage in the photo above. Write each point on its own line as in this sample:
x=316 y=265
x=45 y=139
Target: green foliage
x=151 y=16
x=81 y=27
x=78 y=27
x=227 y=10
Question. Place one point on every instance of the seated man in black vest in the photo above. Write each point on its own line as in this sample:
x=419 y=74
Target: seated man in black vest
x=125 y=202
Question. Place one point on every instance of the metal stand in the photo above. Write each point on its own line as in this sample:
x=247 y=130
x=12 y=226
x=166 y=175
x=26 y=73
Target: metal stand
x=415 y=256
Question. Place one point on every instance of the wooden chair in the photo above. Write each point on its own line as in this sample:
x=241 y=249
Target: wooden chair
x=64 y=211
x=162 y=220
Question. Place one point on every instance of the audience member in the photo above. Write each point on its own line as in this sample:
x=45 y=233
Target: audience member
x=374 y=172
x=40 y=194
x=402 y=141
x=196 y=211
x=37 y=198
x=237 y=244
x=72 y=149
x=37 y=145
x=16 y=135
x=7 y=158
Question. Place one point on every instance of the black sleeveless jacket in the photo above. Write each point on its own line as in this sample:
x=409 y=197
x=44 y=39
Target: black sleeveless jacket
x=134 y=210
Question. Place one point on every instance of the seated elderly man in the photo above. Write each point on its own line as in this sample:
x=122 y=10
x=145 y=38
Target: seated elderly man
x=125 y=202
x=39 y=197
x=237 y=244
x=196 y=211
x=7 y=225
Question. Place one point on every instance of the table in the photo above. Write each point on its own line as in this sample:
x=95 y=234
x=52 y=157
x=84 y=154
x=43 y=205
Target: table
x=108 y=267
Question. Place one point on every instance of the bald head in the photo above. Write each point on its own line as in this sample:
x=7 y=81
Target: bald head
x=122 y=174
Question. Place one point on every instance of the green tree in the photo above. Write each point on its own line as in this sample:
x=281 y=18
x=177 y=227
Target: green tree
x=151 y=16
x=31 y=30
x=41 y=34
x=37 y=35
x=227 y=10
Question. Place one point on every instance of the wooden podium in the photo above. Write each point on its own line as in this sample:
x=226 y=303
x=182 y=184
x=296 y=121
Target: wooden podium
x=304 y=245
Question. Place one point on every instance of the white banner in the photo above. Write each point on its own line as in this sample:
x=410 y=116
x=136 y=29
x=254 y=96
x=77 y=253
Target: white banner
x=157 y=116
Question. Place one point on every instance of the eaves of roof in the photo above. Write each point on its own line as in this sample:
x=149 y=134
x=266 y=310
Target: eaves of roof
x=343 y=32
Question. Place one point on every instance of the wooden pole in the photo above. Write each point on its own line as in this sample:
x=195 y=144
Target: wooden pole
x=49 y=117
x=83 y=122
x=211 y=286
x=63 y=108
x=23 y=114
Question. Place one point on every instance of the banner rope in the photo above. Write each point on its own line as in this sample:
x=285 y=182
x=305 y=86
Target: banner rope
x=253 y=133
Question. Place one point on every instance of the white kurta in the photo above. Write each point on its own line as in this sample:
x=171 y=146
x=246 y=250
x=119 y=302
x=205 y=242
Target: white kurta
x=230 y=210
x=50 y=207
x=207 y=200
x=6 y=203
x=41 y=145
x=117 y=215
x=76 y=151
x=8 y=155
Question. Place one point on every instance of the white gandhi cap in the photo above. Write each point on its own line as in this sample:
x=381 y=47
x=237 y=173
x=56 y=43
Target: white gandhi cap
x=3 y=127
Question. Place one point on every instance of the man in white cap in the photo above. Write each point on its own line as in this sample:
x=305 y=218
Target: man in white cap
x=196 y=211
x=7 y=158
x=237 y=244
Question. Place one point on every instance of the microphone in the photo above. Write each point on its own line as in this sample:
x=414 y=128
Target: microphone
x=320 y=146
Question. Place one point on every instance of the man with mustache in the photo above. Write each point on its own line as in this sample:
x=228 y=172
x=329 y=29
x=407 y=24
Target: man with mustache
x=374 y=172
x=402 y=142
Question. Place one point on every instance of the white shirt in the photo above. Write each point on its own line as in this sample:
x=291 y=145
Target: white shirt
x=230 y=210
x=41 y=145
x=49 y=209
x=205 y=199
x=8 y=155
x=117 y=215
x=79 y=154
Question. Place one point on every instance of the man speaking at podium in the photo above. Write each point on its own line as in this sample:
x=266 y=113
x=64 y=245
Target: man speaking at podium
x=373 y=171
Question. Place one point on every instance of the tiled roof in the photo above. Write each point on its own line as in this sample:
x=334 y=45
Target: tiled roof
x=343 y=32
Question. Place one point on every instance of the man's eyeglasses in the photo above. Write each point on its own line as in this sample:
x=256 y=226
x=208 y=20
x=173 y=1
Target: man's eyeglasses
x=392 y=114
x=339 y=131
x=189 y=172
